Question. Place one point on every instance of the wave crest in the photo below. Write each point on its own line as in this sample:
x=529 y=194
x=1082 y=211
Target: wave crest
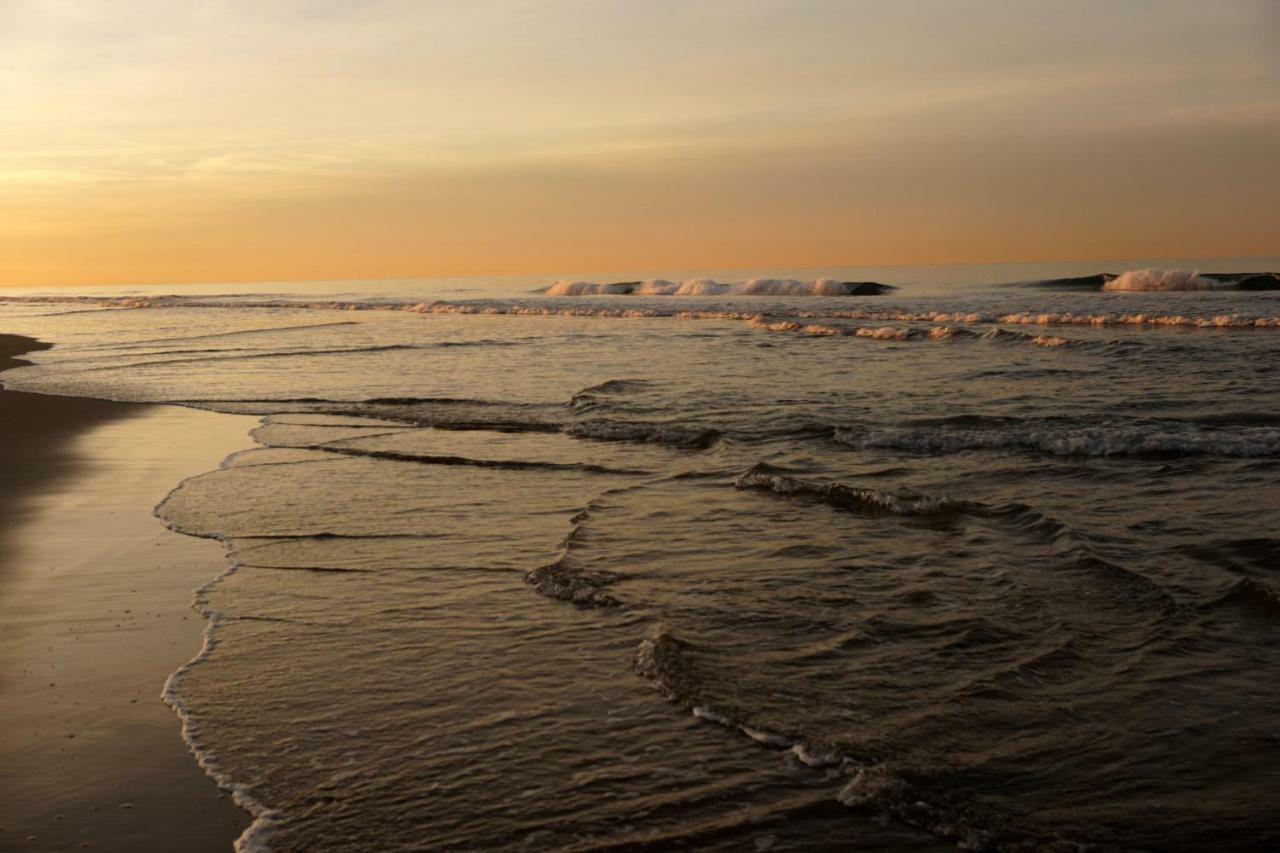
x=1253 y=594
x=1164 y=280
x=711 y=287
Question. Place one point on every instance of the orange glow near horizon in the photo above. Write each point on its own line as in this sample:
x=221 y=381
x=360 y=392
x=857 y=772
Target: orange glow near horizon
x=148 y=143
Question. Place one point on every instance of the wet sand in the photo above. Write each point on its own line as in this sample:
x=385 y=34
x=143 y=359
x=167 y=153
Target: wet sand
x=95 y=614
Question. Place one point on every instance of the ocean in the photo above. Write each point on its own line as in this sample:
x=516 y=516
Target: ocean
x=751 y=560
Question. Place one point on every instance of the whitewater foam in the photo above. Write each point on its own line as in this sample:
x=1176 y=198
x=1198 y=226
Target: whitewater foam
x=1163 y=280
x=256 y=837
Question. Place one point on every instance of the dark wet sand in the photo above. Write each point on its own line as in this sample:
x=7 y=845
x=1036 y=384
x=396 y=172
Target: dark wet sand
x=94 y=615
x=33 y=431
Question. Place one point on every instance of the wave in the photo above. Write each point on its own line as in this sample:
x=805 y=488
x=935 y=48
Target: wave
x=148 y=343
x=909 y=791
x=660 y=311
x=1183 y=280
x=899 y=333
x=1255 y=280
x=1163 y=280
x=901 y=792
x=693 y=438
x=1107 y=439
x=868 y=501
x=1252 y=594
x=231 y=355
x=1147 y=279
x=1132 y=586
x=256 y=837
x=1083 y=282
x=881 y=333
x=447 y=413
x=447 y=460
x=661 y=659
x=567 y=582
x=593 y=395
x=1068 y=318
x=710 y=287
x=783 y=321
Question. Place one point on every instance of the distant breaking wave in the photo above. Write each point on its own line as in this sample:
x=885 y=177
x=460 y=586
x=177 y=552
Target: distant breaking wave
x=710 y=287
x=1164 y=280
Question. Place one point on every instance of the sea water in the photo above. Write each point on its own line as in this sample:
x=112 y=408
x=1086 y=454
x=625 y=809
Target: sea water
x=753 y=561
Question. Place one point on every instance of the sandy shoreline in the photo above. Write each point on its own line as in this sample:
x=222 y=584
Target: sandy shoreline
x=95 y=614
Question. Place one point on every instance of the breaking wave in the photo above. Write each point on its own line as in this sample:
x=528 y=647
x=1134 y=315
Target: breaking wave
x=1147 y=279
x=1163 y=280
x=710 y=287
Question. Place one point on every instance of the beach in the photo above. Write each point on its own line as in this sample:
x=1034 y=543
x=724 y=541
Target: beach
x=566 y=427
x=95 y=614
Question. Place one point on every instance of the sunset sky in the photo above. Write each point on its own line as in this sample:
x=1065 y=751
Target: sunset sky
x=174 y=142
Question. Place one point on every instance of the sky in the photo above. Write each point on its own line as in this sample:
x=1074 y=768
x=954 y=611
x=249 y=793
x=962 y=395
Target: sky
x=151 y=141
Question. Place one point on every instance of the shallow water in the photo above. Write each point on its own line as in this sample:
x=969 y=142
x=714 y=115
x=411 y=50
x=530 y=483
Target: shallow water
x=725 y=571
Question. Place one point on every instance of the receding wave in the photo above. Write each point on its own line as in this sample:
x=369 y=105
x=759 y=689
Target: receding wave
x=711 y=287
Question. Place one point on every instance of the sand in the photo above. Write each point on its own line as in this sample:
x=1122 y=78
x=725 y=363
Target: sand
x=95 y=613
